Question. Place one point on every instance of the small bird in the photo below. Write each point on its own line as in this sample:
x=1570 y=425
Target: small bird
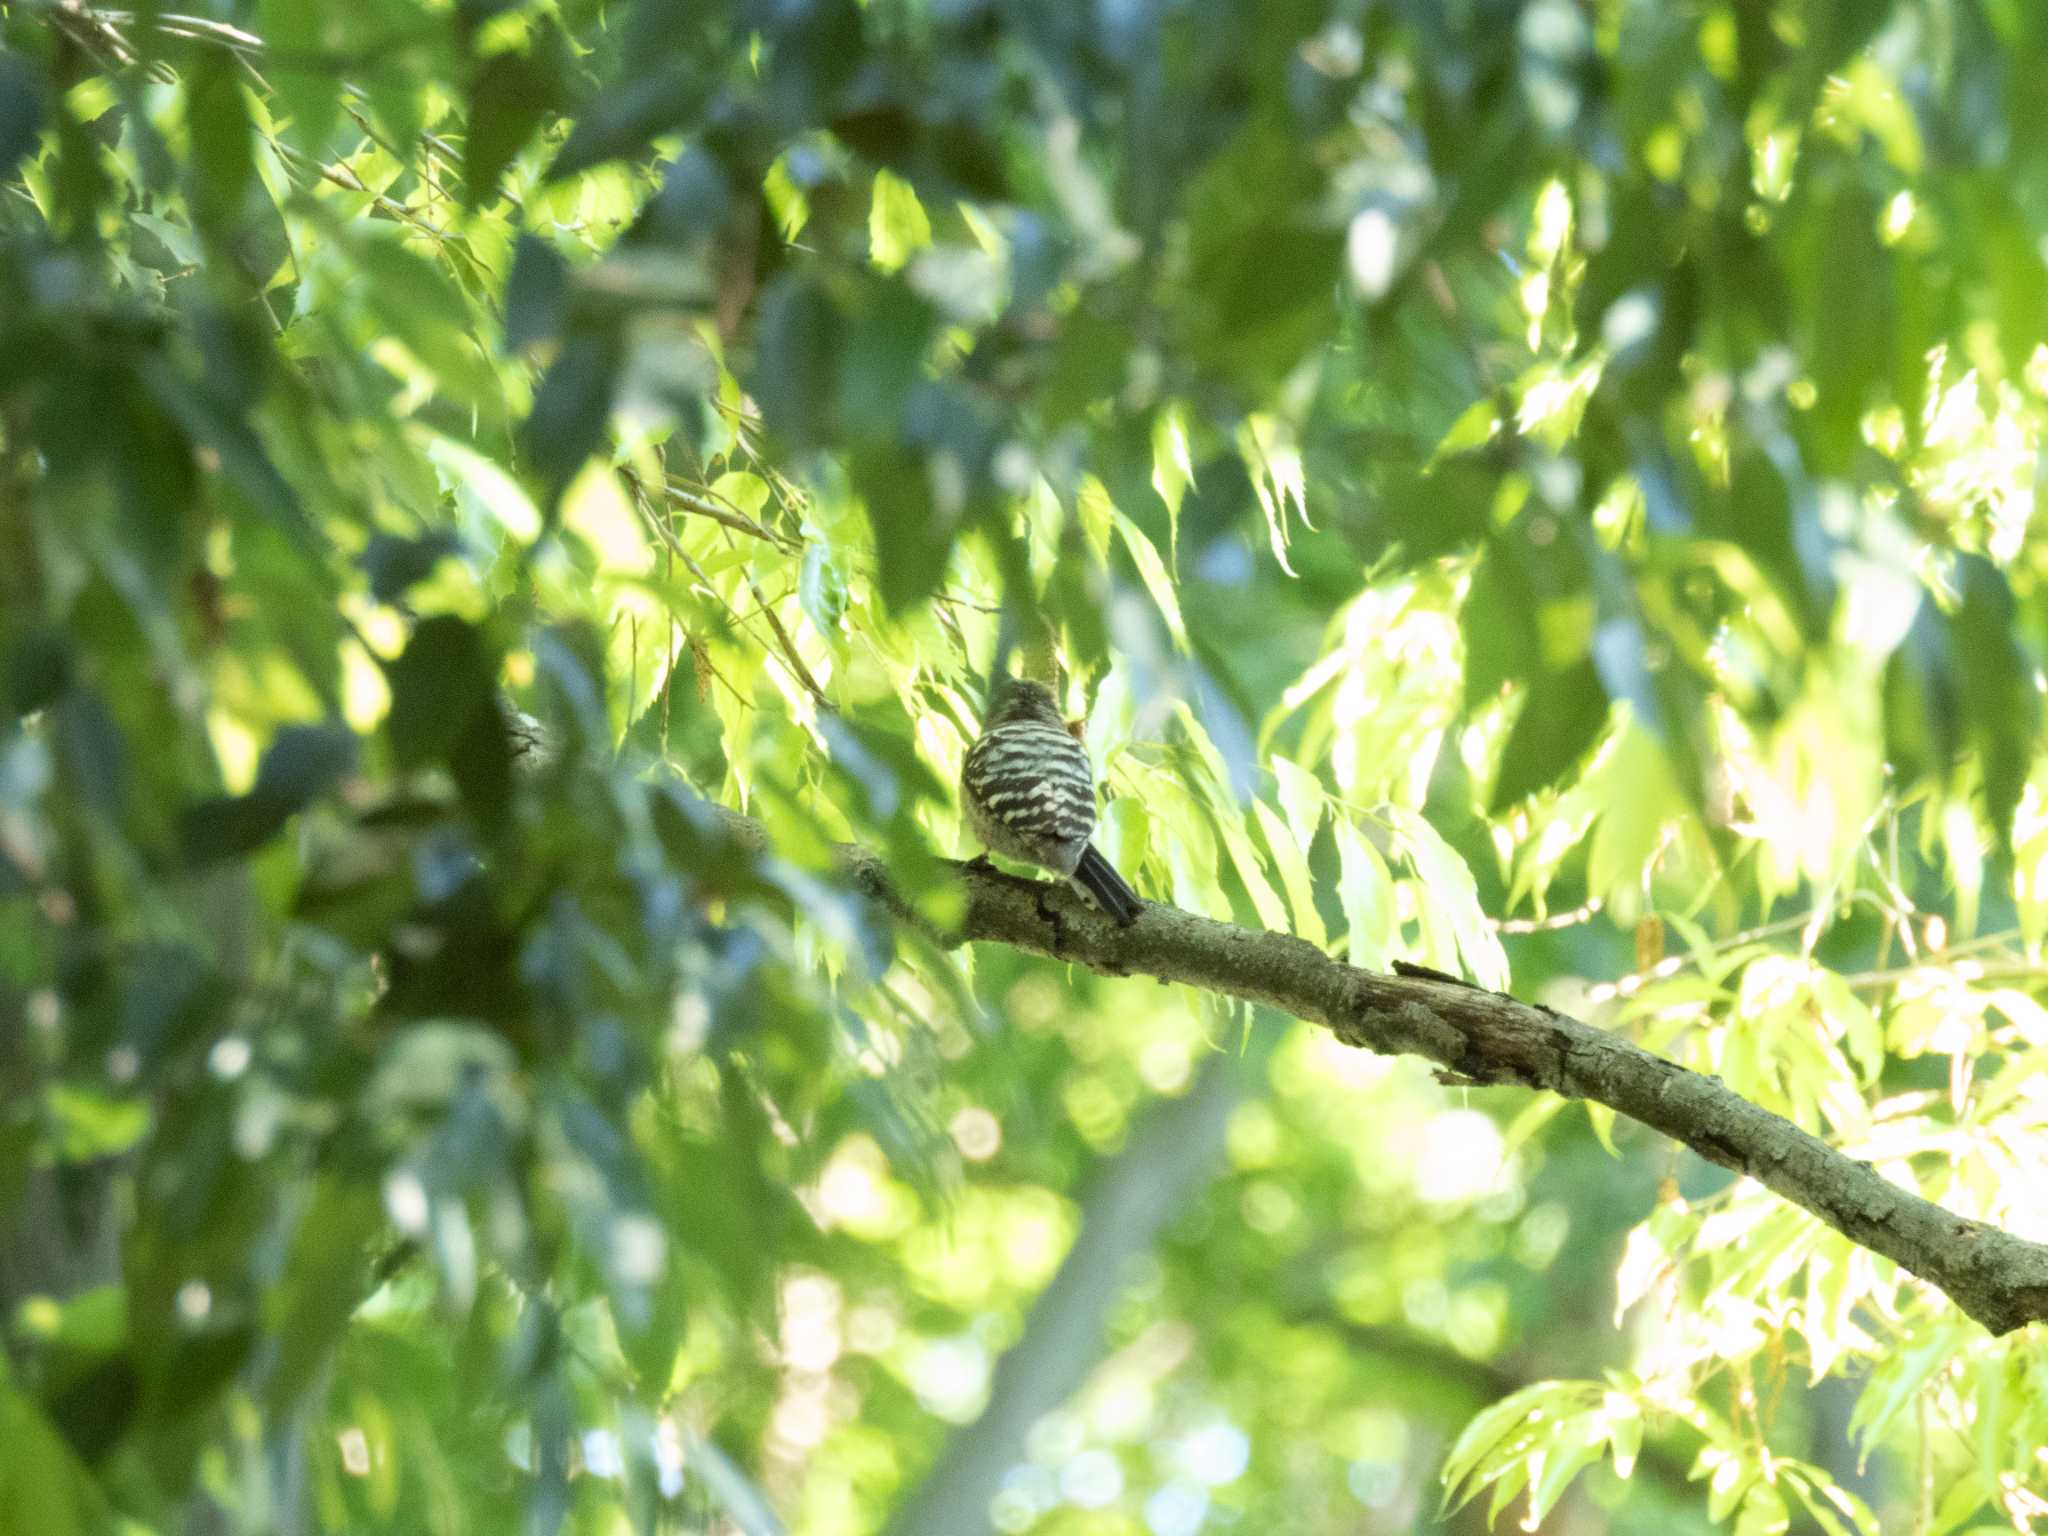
x=1030 y=795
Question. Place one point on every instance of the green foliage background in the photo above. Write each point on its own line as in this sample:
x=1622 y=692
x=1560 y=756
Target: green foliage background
x=1543 y=490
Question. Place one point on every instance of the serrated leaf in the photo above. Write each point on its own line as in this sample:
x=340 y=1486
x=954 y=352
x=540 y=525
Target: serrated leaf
x=422 y=306
x=1454 y=894
x=1900 y=1378
x=1272 y=457
x=1489 y=1430
x=1246 y=858
x=1367 y=890
x=1152 y=571
x=1173 y=470
x=1289 y=860
x=1301 y=797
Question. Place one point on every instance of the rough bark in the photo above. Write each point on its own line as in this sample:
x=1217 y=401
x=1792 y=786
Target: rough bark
x=1485 y=1037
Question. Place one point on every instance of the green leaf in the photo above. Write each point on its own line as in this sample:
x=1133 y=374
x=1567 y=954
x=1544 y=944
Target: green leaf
x=214 y=423
x=571 y=411
x=913 y=541
x=223 y=160
x=1601 y=1118
x=1638 y=801
x=1290 y=860
x=1560 y=720
x=623 y=120
x=537 y=293
x=1454 y=894
x=1367 y=891
x=694 y=201
x=897 y=224
x=1998 y=687
x=1899 y=1378
x=1732 y=1479
x=1479 y=424
x=440 y=683
x=734 y=1490
x=1246 y=859
x=298 y=31
x=1825 y=1500
x=1624 y=1420
x=200 y=1366
x=42 y=1486
x=512 y=93
x=1152 y=571
x=395 y=565
x=1173 y=470
x=1575 y=1444
x=1763 y=1512
x=795 y=365
x=326 y=1274
x=887 y=339
x=21 y=110
x=1490 y=1430
x=303 y=763
x=1301 y=797
x=425 y=310
x=85 y=1124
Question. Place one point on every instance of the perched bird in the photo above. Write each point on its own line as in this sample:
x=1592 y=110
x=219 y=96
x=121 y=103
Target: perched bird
x=1030 y=795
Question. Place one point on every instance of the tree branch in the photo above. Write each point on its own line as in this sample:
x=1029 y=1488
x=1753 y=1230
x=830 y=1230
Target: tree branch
x=1484 y=1037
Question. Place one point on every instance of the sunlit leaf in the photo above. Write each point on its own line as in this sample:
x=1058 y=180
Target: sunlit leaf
x=1290 y=859
x=1367 y=891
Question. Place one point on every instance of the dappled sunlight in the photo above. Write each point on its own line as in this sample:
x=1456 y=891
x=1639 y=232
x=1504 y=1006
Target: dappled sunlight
x=511 y=518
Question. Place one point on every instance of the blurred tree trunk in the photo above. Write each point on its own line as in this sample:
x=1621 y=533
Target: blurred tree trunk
x=1170 y=1156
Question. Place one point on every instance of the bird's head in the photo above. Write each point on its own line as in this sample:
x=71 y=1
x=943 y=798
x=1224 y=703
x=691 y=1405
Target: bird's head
x=1018 y=698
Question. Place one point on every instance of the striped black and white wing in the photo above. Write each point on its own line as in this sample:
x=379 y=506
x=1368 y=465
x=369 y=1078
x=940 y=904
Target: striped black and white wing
x=1031 y=782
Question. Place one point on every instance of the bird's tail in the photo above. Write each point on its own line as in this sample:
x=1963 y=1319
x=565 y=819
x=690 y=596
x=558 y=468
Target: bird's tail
x=1097 y=880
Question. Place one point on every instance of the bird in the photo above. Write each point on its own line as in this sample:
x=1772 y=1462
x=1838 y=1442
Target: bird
x=1029 y=793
